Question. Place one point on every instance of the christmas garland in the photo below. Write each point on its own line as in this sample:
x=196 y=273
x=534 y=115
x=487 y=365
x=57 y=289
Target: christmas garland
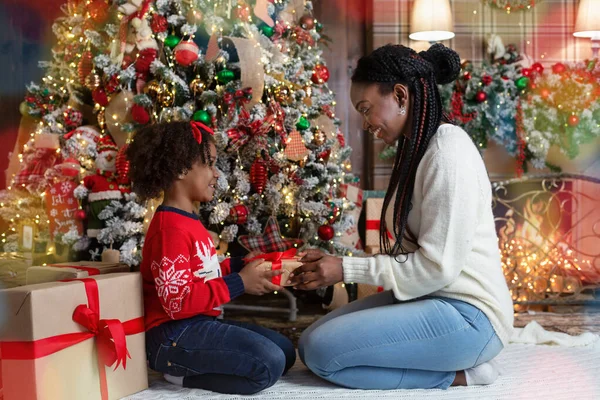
x=498 y=101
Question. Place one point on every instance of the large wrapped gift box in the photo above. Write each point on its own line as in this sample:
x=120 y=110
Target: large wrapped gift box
x=81 y=339
x=285 y=261
x=72 y=270
x=373 y=222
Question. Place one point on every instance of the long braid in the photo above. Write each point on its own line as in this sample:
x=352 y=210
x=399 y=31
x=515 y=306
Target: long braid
x=420 y=73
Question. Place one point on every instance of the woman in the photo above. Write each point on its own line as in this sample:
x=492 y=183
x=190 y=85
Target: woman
x=446 y=312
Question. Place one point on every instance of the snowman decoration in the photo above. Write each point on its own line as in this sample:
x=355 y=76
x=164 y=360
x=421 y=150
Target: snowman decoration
x=102 y=187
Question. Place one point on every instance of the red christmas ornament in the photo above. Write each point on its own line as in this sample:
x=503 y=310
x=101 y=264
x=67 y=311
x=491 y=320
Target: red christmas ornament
x=186 y=53
x=73 y=118
x=85 y=66
x=159 y=24
x=307 y=22
x=326 y=232
x=487 y=80
x=537 y=67
x=467 y=76
x=239 y=214
x=526 y=72
x=99 y=96
x=98 y=10
x=242 y=13
x=324 y=155
x=320 y=74
x=80 y=215
x=559 y=68
x=481 y=97
x=145 y=59
x=341 y=139
x=573 y=120
x=140 y=114
x=122 y=165
x=113 y=84
x=258 y=175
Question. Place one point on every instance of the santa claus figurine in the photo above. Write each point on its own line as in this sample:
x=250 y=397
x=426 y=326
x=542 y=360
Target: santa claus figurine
x=102 y=187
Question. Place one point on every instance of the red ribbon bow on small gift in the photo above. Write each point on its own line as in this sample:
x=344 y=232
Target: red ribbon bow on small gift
x=196 y=130
x=276 y=260
x=238 y=99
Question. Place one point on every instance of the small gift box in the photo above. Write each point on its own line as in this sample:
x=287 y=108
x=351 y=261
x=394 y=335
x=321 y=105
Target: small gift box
x=353 y=193
x=72 y=270
x=80 y=339
x=285 y=261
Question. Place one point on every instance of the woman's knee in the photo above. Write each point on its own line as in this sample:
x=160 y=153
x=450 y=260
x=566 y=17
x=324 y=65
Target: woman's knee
x=316 y=354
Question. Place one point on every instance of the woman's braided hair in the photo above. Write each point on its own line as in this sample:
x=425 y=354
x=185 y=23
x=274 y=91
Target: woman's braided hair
x=395 y=64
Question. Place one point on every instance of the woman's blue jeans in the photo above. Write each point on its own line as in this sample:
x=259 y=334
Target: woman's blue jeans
x=381 y=343
x=221 y=356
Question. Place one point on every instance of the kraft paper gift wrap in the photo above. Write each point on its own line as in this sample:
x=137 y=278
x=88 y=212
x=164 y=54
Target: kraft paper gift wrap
x=47 y=355
x=286 y=261
x=72 y=270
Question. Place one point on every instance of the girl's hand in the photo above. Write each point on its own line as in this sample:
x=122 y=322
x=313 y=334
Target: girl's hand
x=258 y=281
x=318 y=270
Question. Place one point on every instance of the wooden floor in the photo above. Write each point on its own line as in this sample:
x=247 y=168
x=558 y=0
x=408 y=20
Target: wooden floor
x=573 y=323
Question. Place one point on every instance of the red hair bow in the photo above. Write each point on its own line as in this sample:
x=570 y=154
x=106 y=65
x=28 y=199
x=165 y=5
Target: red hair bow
x=197 y=130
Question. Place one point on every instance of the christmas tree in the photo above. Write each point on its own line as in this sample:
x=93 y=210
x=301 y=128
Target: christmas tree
x=252 y=70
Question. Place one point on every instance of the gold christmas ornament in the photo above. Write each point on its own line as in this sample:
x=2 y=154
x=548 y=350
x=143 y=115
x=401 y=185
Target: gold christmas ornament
x=152 y=89
x=197 y=86
x=165 y=97
x=319 y=137
x=282 y=95
x=92 y=81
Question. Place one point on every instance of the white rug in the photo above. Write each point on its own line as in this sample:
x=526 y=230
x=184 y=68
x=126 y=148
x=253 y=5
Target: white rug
x=531 y=372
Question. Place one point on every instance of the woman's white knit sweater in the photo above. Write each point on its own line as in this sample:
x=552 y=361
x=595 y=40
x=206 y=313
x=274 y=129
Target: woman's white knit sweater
x=452 y=218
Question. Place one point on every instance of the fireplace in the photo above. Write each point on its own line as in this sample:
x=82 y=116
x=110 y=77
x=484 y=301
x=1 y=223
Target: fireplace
x=549 y=238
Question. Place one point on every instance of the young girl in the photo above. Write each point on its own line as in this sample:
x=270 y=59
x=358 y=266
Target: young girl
x=447 y=311
x=184 y=284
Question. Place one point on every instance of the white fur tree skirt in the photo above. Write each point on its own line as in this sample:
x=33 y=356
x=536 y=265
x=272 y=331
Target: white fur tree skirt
x=530 y=372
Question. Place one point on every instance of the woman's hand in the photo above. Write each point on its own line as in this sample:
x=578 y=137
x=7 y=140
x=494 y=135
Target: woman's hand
x=318 y=270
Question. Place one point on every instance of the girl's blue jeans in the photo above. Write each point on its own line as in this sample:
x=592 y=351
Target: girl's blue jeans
x=381 y=343
x=221 y=356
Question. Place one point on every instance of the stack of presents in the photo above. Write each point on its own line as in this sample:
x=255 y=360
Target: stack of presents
x=85 y=320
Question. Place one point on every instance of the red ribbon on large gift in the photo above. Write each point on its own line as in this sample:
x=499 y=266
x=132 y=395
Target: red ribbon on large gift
x=276 y=259
x=375 y=224
x=109 y=333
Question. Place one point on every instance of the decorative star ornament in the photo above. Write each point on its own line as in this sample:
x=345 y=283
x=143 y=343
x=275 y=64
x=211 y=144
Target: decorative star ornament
x=270 y=241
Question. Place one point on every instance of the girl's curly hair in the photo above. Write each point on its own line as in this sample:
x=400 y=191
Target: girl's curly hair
x=159 y=153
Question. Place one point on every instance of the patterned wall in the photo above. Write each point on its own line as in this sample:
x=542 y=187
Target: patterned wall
x=545 y=32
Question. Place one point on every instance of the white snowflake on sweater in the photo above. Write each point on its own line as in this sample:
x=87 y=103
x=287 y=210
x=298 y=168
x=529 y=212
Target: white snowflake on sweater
x=66 y=187
x=170 y=280
x=208 y=267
